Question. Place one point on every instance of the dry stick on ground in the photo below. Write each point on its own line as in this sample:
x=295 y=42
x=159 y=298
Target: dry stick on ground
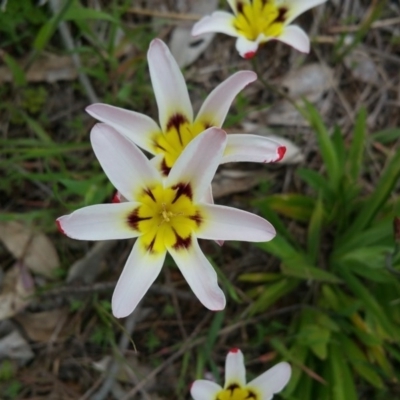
x=112 y=372
x=192 y=342
x=69 y=44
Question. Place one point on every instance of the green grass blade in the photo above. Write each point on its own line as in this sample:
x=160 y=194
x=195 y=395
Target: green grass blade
x=326 y=146
x=356 y=151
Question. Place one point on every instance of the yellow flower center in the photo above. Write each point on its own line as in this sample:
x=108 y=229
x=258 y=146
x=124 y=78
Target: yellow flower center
x=235 y=392
x=172 y=142
x=260 y=17
x=166 y=218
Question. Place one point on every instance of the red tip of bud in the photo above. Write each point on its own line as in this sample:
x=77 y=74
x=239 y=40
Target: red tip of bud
x=281 y=153
x=116 y=198
x=234 y=350
x=59 y=227
x=249 y=54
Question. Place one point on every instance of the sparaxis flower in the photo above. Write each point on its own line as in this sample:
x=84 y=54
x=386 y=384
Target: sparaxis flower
x=177 y=127
x=262 y=388
x=258 y=21
x=165 y=214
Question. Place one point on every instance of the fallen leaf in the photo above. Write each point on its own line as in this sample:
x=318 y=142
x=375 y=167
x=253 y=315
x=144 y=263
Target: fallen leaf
x=88 y=268
x=41 y=326
x=47 y=68
x=16 y=289
x=362 y=67
x=32 y=248
x=311 y=82
x=15 y=347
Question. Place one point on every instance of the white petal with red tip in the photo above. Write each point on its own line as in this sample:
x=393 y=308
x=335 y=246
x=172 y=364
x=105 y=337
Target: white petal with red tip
x=272 y=381
x=235 y=371
x=216 y=106
x=135 y=126
x=99 y=222
x=218 y=21
x=297 y=7
x=140 y=271
x=246 y=48
x=168 y=84
x=204 y=390
x=295 y=36
x=125 y=165
x=199 y=161
x=226 y=223
x=200 y=275
x=251 y=148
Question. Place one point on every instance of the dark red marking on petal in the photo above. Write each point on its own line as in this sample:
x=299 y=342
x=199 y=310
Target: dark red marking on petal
x=281 y=153
x=239 y=7
x=234 y=350
x=151 y=245
x=116 y=198
x=176 y=121
x=182 y=189
x=249 y=54
x=197 y=218
x=59 y=227
x=282 y=11
x=164 y=168
x=181 y=243
x=134 y=219
x=150 y=194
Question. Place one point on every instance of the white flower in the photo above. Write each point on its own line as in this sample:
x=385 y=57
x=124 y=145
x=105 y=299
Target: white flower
x=177 y=126
x=257 y=21
x=262 y=388
x=166 y=214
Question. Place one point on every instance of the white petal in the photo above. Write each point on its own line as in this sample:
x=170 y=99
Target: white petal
x=99 y=222
x=297 y=7
x=125 y=165
x=200 y=275
x=246 y=48
x=204 y=390
x=168 y=84
x=295 y=36
x=226 y=223
x=135 y=126
x=272 y=381
x=198 y=162
x=140 y=271
x=235 y=371
x=252 y=148
x=233 y=4
x=216 y=106
x=218 y=21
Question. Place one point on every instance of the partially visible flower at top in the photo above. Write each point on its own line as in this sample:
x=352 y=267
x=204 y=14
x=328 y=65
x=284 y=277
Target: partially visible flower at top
x=177 y=125
x=262 y=388
x=166 y=214
x=257 y=21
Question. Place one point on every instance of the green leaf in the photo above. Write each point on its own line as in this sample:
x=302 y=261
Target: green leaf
x=17 y=72
x=314 y=233
x=316 y=338
x=272 y=294
x=386 y=136
x=369 y=301
x=339 y=145
x=294 y=206
x=356 y=151
x=373 y=204
x=326 y=147
x=360 y=362
x=78 y=12
x=299 y=267
x=343 y=387
x=317 y=181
